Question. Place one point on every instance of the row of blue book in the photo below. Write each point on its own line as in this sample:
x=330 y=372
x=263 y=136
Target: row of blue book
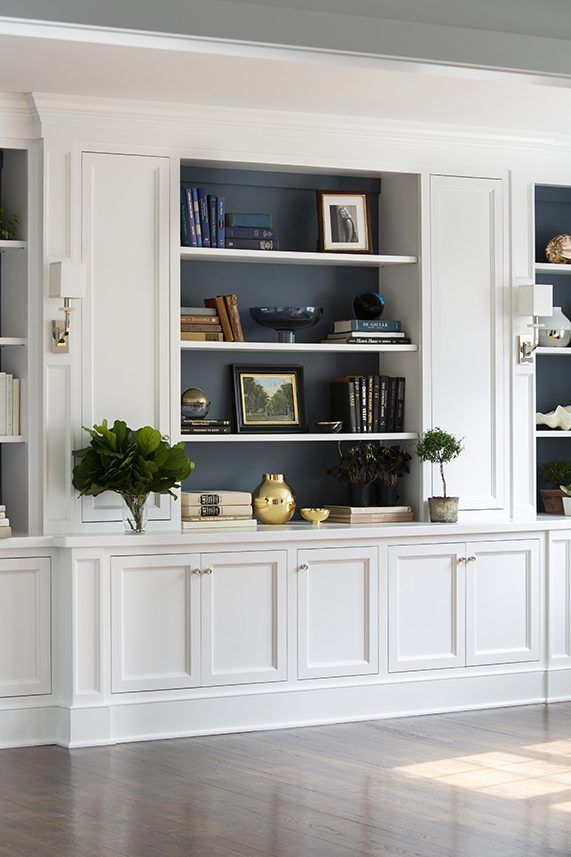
x=205 y=223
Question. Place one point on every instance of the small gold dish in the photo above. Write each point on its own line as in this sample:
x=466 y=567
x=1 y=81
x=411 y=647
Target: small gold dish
x=315 y=516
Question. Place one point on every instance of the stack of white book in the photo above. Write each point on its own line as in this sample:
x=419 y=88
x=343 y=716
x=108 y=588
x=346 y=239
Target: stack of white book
x=216 y=509
x=9 y=404
x=5 y=528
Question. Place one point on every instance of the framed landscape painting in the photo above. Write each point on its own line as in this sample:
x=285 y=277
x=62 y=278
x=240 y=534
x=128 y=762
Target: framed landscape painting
x=269 y=398
x=344 y=223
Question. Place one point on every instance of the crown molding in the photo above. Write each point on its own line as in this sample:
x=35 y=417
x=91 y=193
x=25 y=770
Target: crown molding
x=79 y=115
x=18 y=119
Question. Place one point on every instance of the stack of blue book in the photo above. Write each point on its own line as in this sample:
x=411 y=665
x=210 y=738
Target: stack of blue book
x=250 y=231
x=202 y=222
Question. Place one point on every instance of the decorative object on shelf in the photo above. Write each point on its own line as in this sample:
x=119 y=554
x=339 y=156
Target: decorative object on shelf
x=329 y=426
x=344 y=223
x=132 y=463
x=439 y=447
x=393 y=462
x=566 y=499
x=368 y=332
x=227 y=506
x=554 y=330
x=8 y=226
x=273 y=500
x=370 y=514
x=534 y=300
x=194 y=403
x=358 y=467
x=5 y=528
x=315 y=516
x=560 y=418
x=554 y=474
x=558 y=250
x=286 y=320
x=368 y=306
x=369 y=403
x=269 y=398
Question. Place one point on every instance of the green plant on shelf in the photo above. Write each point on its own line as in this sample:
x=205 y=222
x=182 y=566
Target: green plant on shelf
x=8 y=226
x=556 y=473
x=439 y=447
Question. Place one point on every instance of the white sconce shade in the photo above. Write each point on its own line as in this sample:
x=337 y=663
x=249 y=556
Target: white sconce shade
x=535 y=299
x=67 y=279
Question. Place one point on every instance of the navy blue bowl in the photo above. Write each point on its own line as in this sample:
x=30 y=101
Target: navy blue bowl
x=285 y=320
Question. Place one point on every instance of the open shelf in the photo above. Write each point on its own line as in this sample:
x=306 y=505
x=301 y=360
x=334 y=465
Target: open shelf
x=551 y=268
x=293 y=347
x=12 y=245
x=553 y=433
x=12 y=438
x=559 y=352
x=286 y=257
x=303 y=437
x=12 y=340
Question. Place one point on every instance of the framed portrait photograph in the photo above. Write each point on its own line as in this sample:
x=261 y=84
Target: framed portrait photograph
x=344 y=223
x=269 y=398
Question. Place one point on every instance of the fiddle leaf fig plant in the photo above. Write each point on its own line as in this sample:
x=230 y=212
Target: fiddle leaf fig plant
x=131 y=462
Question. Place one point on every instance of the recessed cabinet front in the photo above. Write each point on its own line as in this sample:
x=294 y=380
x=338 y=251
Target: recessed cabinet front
x=243 y=617
x=426 y=607
x=155 y=622
x=338 y=612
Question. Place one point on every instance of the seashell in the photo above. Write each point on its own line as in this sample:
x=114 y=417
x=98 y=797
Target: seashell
x=558 y=250
x=559 y=418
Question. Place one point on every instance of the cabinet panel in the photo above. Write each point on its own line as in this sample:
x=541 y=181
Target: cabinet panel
x=155 y=623
x=338 y=612
x=560 y=599
x=426 y=607
x=125 y=245
x=25 y=627
x=468 y=361
x=243 y=617
x=502 y=602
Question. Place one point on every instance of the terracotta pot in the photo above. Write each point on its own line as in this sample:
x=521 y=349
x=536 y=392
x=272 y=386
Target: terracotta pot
x=552 y=500
x=443 y=510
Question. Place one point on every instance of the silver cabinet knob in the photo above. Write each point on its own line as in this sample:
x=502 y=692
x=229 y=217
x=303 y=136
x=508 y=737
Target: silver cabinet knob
x=304 y=567
x=208 y=571
x=197 y=571
x=471 y=558
x=461 y=559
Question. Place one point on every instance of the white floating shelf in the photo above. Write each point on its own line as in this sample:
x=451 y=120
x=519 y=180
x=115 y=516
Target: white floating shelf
x=553 y=433
x=559 y=352
x=551 y=268
x=292 y=347
x=301 y=437
x=12 y=340
x=285 y=257
x=12 y=245
x=12 y=438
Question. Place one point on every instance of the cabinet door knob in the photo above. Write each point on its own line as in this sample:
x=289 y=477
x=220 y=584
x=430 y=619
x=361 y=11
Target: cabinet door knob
x=208 y=571
x=461 y=559
x=196 y=571
x=471 y=558
x=304 y=567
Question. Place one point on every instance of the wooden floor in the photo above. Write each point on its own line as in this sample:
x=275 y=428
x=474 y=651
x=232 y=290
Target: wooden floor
x=483 y=784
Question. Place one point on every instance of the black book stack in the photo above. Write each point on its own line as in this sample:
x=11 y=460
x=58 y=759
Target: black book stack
x=204 y=426
x=250 y=231
x=369 y=404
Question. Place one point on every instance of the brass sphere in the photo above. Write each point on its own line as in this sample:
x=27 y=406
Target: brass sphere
x=194 y=403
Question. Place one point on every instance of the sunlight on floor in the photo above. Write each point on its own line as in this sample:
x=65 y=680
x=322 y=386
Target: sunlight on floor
x=501 y=774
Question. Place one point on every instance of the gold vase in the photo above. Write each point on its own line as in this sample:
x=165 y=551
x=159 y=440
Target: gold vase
x=273 y=500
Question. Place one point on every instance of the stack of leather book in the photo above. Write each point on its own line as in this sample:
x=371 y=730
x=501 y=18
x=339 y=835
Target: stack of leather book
x=369 y=514
x=226 y=308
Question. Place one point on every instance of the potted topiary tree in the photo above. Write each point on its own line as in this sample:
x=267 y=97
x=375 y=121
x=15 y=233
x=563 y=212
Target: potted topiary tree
x=358 y=467
x=554 y=474
x=393 y=464
x=439 y=447
x=131 y=462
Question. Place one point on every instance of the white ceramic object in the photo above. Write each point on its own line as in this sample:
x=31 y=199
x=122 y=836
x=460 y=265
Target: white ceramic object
x=555 y=331
x=559 y=418
x=567 y=506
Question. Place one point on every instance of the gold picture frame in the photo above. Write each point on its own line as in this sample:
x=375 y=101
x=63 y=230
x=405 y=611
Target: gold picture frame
x=269 y=398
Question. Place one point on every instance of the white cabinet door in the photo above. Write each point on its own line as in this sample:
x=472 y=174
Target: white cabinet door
x=467 y=342
x=338 y=612
x=502 y=602
x=25 y=627
x=125 y=314
x=244 y=610
x=155 y=622
x=426 y=607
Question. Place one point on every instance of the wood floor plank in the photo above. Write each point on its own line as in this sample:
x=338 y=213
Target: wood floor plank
x=494 y=783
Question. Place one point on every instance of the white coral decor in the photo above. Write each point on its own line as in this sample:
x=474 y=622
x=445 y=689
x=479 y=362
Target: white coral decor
x=559 y=418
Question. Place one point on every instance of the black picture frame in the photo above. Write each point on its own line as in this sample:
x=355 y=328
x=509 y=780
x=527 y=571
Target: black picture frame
x=252 y=416
x=357 y=238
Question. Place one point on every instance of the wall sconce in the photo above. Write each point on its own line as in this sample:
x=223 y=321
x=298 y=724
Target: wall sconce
x=67 y=281
x=535 y=300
